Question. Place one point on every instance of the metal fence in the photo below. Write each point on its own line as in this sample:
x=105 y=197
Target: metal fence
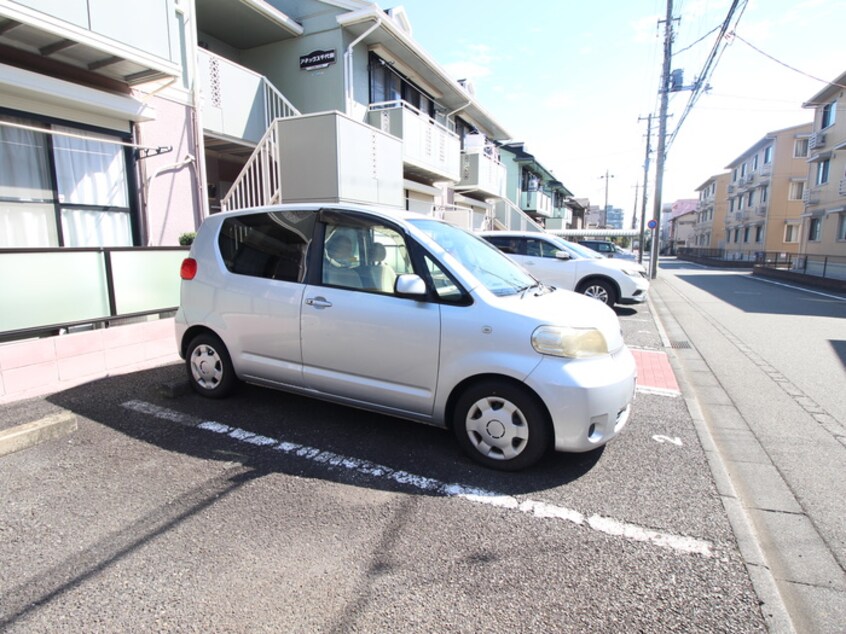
x=46 y=290
x=824 y=266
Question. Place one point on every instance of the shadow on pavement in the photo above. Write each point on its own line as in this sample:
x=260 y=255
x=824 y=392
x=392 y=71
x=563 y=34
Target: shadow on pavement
x=396 y=444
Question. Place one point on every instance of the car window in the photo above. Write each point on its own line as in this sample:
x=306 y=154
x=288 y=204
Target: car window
x=508 y=244
x=272 y=245
x=364 y=255
x=540 y=248
x=445 y=286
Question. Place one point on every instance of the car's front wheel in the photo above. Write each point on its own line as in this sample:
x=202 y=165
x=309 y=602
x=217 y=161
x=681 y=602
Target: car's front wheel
x=501 y=425
x=209 y=366
x=601 y=290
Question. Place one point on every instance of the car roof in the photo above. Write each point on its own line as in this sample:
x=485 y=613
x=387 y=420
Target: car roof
x=384 y=211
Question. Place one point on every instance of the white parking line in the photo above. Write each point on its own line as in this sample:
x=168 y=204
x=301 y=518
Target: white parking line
x=607 y=525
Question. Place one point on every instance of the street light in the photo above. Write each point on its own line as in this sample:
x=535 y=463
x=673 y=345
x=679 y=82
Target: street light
x=605 y=209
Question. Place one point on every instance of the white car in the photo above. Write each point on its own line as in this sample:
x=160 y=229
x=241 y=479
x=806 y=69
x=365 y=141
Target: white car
x=564 y=264
x=404 y=315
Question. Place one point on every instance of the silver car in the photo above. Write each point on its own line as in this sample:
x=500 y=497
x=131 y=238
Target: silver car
x=404 y=315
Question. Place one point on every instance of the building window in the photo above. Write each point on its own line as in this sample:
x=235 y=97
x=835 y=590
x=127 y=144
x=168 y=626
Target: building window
x=800 y=148
x=737 y=235
x=750 y=198
x=754 y=162
x=814 y=229
x=745 y=235
x=797 y=190
x=734 y=175
x=791 y=233
x=386 y=84
x=829 y=114
x=841 y=227
x=59 y=190
x=823 y=168
x=759 y=233
x=743 y=170
x=765 y=192
x=768 y=155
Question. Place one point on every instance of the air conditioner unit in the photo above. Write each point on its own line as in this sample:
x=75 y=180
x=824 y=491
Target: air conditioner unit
x=816 y=140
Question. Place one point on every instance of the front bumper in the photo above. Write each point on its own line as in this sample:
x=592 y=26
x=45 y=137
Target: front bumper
x=589 y=400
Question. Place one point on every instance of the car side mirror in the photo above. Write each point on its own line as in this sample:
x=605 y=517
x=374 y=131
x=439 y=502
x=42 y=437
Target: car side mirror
x=411 y=285
x=562 y=255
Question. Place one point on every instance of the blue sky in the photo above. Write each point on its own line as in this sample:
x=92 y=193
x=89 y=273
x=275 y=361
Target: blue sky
x=571 y=78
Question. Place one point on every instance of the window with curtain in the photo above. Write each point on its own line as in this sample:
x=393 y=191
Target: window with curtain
x=59 y=190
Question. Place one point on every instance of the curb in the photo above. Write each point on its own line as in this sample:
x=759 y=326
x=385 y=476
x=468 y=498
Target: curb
x=29 y=434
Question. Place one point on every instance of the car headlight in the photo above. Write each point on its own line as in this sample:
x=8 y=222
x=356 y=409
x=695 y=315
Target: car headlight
x=563 y=341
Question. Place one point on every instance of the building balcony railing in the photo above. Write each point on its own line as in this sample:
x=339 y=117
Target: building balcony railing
x=429 y=149
x=536 y=202
x=52 y=289
x=326 y=156
x=481 y=171
x=237 y=102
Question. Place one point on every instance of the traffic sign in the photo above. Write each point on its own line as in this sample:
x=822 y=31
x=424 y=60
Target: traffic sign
x=652 y=224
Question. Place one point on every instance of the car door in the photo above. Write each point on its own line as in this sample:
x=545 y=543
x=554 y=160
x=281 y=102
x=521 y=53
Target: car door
x=538 y=256
x=259 y=300
x=360 y=340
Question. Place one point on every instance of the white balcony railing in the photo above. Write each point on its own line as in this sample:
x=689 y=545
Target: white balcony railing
x=426 y=144
x=465 y=217
x=237 y=102
x=538 y=202
x=482 y=171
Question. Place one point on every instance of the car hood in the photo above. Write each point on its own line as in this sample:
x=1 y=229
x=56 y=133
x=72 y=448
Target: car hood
x=620 y=264
x=565 y=308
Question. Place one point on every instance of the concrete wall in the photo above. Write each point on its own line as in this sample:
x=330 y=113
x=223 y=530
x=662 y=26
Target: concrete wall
x=44 y=366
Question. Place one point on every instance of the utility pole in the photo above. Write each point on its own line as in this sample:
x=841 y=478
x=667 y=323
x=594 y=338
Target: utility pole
x=645 y=180
x=662 y=138
x=634 y=207
x=604 y=214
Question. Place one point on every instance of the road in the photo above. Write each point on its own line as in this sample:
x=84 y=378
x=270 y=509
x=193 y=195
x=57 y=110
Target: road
x=270 y=512
x=767 y=363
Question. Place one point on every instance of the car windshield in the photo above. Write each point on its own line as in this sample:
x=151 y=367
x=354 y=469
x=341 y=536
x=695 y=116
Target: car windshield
x=578 y=249
x=495 y=271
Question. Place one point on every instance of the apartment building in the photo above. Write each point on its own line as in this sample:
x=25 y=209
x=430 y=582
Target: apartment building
x=823 y=221
x=124 y=124
x=765 y=195
x=708 y=229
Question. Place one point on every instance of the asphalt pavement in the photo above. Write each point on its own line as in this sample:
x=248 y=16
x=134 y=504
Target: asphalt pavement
x=153 y=510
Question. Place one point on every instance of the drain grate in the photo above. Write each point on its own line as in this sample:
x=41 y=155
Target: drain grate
x=680 y=344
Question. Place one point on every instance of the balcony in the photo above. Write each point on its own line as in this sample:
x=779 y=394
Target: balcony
x=129 y=42
x=238 y=104
x=481 y=171
x=429 y=150
x=536 y=202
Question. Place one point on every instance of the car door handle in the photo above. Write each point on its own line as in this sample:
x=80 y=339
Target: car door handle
x=318 y=302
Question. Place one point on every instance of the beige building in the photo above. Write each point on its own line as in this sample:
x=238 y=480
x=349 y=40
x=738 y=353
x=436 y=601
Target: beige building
x=708 y=230
x=681 y=230
x=765 y=195
x=823 y=229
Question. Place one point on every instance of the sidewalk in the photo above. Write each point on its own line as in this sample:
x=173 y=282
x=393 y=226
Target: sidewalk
x=790 y=564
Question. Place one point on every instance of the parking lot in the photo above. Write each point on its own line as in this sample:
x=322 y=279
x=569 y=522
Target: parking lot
x=272 y=512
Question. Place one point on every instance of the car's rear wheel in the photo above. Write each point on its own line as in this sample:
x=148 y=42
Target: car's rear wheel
x=209 y=366
x=501 y=425
x=601 y=290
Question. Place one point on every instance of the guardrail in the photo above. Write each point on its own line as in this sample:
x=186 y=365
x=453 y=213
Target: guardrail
x=48 y=290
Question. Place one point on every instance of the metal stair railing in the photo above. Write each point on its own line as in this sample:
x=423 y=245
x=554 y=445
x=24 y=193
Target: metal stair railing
x=259 y=182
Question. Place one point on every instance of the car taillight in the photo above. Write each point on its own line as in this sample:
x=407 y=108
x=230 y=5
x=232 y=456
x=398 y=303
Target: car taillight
x=188 y=269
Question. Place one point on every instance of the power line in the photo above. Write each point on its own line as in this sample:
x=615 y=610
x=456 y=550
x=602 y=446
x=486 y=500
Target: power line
x=690 y=46
x=733 y=34
x=710 y=64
